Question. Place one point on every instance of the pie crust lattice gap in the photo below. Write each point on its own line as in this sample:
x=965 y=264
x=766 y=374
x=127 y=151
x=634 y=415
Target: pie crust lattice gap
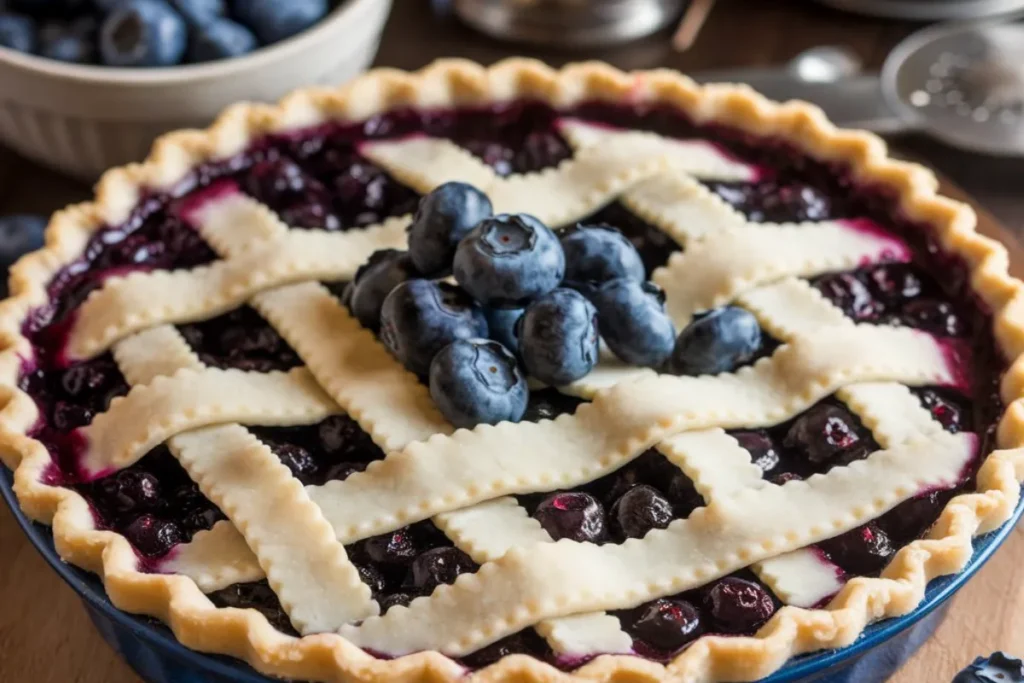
x=431 y=472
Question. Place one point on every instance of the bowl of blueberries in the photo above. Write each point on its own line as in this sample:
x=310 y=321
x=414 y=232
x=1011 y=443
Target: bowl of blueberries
x=86 y=85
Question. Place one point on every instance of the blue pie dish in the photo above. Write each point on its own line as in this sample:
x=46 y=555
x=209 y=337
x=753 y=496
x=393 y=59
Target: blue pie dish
x=151 y=650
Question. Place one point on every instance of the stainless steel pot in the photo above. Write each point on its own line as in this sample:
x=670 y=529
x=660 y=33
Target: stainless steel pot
x=927 y=10
x=576 y=23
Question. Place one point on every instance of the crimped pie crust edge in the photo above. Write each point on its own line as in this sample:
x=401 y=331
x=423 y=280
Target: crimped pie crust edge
x=451 y=83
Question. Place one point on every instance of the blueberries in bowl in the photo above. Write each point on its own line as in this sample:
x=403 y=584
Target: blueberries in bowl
x=152 y=33
x=143 y=33
x=198 y=12
x=19 y=234
x=18 y=32
x=274 y=20
x=221 y=39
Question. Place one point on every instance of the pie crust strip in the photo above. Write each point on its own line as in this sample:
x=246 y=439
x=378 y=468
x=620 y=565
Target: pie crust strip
x=381 y=396
x=542 y=581
x=446 y=473
x=248 y=483
x=789 y=308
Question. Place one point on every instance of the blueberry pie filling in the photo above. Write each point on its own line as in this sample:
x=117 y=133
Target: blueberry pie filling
x=490 y=308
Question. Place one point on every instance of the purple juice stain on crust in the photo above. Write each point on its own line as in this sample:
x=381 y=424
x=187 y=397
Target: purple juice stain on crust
x=318 y=179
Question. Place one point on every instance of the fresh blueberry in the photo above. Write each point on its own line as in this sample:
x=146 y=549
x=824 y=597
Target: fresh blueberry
x=595 y=254
x=667 y=624
x=224 y=39
x=558 y=337
x=143 y=33
x=274 y=20
x=576 y=516
x=738 y=606
x=439 y=566
x=385 y=270
x=632 y=320
x=639 y=510
x=477 y=381
x=421 y=317
x=720 y=341
x=200 y=12
x=501 y=322
x=998 y=667
x=70 y=48
x=509 y=260
x=18 y=32
x=443 y=218
x=20 y=234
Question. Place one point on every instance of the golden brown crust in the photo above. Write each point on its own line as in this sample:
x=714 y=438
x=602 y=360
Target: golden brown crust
x=247 y=635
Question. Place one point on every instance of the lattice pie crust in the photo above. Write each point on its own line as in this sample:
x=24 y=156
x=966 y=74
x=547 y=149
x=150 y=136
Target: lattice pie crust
x=463 y=480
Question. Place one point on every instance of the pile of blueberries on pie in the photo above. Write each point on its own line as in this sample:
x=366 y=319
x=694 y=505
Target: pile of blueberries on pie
x=152 y=33
x=527 y=303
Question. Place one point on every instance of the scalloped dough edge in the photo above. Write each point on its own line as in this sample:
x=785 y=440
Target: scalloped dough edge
x=247 y=635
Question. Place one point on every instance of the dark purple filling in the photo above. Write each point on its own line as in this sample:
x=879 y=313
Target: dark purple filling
x=738 y=604
x=317 y=179
x=648 y=493
x=240 y=339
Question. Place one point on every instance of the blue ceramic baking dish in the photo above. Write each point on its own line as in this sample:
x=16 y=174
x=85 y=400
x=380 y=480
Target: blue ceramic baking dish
x=152 y=651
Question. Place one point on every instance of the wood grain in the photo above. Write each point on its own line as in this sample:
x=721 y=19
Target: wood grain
x=45 y=636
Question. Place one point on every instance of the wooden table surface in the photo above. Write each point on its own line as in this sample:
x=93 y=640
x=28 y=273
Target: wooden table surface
x=45 y=636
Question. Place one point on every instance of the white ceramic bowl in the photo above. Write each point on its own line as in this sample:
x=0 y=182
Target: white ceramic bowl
x=83 y=120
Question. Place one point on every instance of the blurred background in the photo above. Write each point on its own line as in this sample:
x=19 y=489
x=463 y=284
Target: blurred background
x=68 y=121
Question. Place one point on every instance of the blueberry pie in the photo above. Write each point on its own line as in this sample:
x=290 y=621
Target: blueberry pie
x=520 y=370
